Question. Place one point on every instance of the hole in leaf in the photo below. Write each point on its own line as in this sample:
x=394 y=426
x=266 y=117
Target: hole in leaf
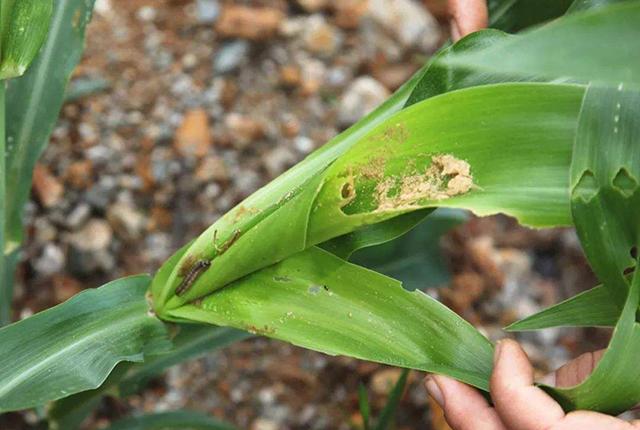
x=625 y=183
x=634 y=252
x=587 y=187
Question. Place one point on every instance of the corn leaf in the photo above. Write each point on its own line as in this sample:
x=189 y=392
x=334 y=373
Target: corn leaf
x=385 y=420
x=31 y=119
x=515 y=15
x=595 y=45
x=23 y=28
x=487 y=127
x=605 y=198
x=317 y=300
x=72 y=347
x=591 y=308
x=178 y=420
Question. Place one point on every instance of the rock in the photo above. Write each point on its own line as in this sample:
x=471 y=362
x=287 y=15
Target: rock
x=207 y=11
x=243 y=129
x=320 y=37
x=409 y=22
x=348 y=13
x=383 y=380
x=211 y=168
x=278 y=160
x=79 y=174
x=44 y=231
x=89 y=248
x=96 y=235
x=361 y=97
x=126 y=221
x=193 y=137
x=264 y=424
x=392 y=76
x=290 y=76
x=290 y=126
x=78 y=216
x=230 y=56
x=147 y=14
x=252 y=23
x=47 y=189
x=303 y=144
x=50 y=261
x=101 y=193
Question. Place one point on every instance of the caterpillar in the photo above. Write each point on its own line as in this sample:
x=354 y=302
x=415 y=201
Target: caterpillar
x=196 y=270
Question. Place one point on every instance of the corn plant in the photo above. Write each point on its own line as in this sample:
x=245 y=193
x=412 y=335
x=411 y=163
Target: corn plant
x=542 y=126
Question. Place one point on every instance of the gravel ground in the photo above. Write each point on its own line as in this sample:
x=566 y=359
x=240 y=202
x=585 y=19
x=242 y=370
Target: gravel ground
x=198 y=104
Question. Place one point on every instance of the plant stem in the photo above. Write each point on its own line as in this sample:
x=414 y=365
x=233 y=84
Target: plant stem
x=5 y=288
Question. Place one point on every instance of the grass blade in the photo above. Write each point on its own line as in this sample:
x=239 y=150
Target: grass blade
x=72 y=347
x=31 y=119
x=386 y=416
x=365 y=409
x=591 y=46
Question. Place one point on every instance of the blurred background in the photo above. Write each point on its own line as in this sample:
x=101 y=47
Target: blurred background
x=182 y=108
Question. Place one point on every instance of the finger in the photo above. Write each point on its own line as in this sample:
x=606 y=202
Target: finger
x=467 y=16
x=585 y=420
x=464 y=407
x=519 y=403
x=576 y=371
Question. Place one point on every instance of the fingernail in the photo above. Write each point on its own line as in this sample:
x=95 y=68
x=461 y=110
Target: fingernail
x=498 y=350
x=434 y=391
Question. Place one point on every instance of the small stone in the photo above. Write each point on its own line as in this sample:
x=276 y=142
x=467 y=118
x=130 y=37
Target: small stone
x=44 y=231
x=264 y=424
x=244 y=129
x=78 y=216
x=101 y=193
x=207 y=11
x=79 y=174
x=147 y=14
x=230 y=56
x=392 y=76
x=348 y=13
x=361 y=97
x=48 y=190
x=290 y=126
x=193 y=137
x=320 y=37
x=50 y=261
x=89 y=248
x=278 y=160
x=96 y=235
x=160 y=219
x=303 y=144
x=384 y=380
x=211 y=168
x=290 y=76
x=409 y=22
x=126 y=221
x=252 y=23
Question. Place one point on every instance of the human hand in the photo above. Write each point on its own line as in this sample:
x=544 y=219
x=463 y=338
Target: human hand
x=518 y=404
x=467 y=16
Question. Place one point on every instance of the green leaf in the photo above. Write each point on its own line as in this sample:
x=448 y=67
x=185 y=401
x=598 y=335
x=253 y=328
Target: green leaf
x=317 y=300
x=363 y=403
x=385 y=421
x=581 y=5
x=179 y=420
x=605 y=199
x=487 y=127
x=593 y=46
x=24 y=25
x=515 y=15
x=72 y=347
x=31 y=119
x=190 y=341
x=414 y=259
x=613 y=386
x=605 y=181
x=588 y=309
